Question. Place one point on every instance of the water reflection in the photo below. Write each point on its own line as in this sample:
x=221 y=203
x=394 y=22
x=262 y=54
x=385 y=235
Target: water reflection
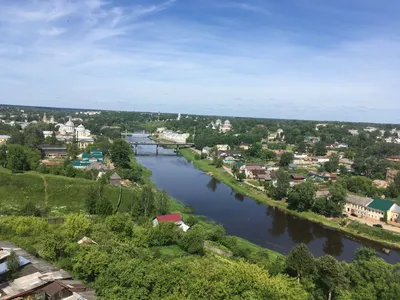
x=333 y=244
x=238 y=196
x=213 y=184
x=279 y=222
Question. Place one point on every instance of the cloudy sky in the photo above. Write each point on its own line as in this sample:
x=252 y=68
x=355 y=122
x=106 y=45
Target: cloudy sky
x=303 y=59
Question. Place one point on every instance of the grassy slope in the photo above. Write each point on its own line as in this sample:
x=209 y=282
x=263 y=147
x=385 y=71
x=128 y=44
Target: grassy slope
x=63 y=194
x=383 y=236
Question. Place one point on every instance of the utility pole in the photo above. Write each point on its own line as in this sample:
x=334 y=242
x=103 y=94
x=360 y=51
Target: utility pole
x=194 y=133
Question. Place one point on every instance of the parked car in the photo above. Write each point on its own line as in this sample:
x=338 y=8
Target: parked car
x=378 y=225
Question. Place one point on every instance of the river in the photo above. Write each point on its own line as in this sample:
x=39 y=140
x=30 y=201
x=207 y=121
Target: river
x=241 y=216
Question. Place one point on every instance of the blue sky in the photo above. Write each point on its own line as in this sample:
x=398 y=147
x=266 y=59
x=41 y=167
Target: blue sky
x=303 y=59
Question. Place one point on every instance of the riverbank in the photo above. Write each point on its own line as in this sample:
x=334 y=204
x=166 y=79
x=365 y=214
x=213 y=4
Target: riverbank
x=354 y=229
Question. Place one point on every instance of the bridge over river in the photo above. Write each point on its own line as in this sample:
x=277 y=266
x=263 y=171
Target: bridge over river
x=161 y=144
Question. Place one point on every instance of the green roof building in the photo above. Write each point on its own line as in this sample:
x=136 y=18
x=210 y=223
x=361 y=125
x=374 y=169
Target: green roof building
x=381 y=204
x=92 y=156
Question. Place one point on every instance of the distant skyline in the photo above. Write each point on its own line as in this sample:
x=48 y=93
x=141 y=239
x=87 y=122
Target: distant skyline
x=294 y=59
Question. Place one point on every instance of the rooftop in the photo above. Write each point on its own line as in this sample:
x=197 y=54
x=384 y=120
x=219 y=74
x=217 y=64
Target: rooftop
x=170 y=218
x=381 y=204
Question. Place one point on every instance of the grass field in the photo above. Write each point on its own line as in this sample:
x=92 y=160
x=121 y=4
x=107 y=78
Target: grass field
x=61 y=194
x=390 y=239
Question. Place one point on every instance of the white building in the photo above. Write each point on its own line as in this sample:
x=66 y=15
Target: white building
x=174 y=137
x=67 y=132
x=226 y=127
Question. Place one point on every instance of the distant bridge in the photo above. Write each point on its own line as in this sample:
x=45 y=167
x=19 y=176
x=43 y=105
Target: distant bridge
x=162 y=144
x=142 y=134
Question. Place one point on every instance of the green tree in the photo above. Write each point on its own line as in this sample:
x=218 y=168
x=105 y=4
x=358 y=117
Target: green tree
x=193 y=240
x=90 y=262
x=70 y=171
x=12 y=262
x=218 y=162
x=302 y=196
x=104 y=207
x=301 y=147
x=91 y=199
x=72 y=149
x=301 y=260
x=282 y=185
x=53 y=139
x=331 y=275
x=33 y=136
x=333 y=164
x=3 y=155
x=364 y=253
x=33 y=157
x=120 y=153
x=338 y=196
x=147 y=201
x=162 y=203
x=16 y=158
x=286 y=159
x=241 y=176
x=320 y=149
x=234 y=169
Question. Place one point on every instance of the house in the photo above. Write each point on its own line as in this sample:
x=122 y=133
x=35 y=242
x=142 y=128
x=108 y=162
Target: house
x=206 y=150
x=248 y=169
x=391 y=175
x=115 y=179
x=297 y=178
x=229 y=160
x=357 y=205
x=324 y=176
x=81 y=164
x=254 y=174
x=53 y=150
x=311 y=139
x=176 y=218
x=393 y=158
x=234 y=153
x=4 y=139
x=353 y=132
x=223 y=147
x=96 y=166
x=39 y=280
x=244 y=146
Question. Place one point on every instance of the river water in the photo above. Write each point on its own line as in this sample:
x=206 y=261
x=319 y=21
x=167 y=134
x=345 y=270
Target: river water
x=241 y=216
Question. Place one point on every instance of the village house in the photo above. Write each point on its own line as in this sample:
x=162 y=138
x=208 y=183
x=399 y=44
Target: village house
x=53 y=150
x=391 y=175
x=395 y=159
x=176 y=218
x=115 y=179
x=222 y=147
x=376 y=209
x=353 y=132
x=206 y=150
x=4 y=139
x=229 y=160
x=323 y=176
x=297 y=178
x=311 y=139
x=244 y=146
x=38 y=279
x=234 y=153
x=248 y=169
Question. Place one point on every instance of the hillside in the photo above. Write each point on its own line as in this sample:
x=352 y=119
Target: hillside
x=61 y=194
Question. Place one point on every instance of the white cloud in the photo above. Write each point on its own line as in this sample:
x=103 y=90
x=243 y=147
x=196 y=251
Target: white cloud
x=92 y=53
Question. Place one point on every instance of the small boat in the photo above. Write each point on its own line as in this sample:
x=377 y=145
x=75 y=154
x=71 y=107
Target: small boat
x=387 y=251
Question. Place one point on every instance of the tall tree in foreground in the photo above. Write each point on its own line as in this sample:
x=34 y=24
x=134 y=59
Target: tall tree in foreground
x=120 y=152
x=282 y=185
x=286 y=159
x=302 y=196
x=301 y=260
x=16 y=158
x=331 y=275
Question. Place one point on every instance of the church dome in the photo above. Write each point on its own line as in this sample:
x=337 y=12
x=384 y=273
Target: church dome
x=69 y=123
x=80 y=128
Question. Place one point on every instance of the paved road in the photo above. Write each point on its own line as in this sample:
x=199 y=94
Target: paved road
x=372 y=222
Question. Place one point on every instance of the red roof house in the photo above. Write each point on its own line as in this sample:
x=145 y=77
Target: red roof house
x=169 y=218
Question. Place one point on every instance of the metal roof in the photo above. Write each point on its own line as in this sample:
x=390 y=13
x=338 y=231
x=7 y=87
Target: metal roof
x=381 y=204
x=22 y=262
